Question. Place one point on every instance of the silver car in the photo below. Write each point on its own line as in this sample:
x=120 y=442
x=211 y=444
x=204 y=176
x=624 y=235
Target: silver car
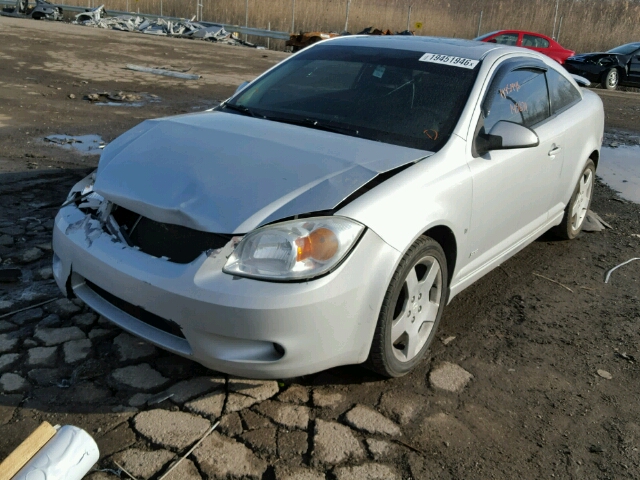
x=327 y=212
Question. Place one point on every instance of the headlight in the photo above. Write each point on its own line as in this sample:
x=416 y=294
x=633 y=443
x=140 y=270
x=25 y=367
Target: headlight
x=295 y=250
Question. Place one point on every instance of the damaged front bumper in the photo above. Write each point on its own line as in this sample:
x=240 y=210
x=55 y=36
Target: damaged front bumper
x=234 y=325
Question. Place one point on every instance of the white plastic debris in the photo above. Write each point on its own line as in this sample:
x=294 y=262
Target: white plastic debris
x=69 y=455
x=608 y=275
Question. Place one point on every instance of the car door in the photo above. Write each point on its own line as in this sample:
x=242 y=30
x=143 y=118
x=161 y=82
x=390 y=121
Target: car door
x=563 y=96
x=634 y=67
x=536 y=42
x=514 y=189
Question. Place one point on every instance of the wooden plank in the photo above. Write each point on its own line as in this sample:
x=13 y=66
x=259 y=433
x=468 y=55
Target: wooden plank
x=26 y=450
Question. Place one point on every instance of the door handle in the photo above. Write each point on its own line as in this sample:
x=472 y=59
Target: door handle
x=553 y=151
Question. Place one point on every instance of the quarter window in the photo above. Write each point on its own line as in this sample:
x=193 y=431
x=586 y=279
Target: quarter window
x=534 y=41
x=561 y=92
x=506 y=39
x=518 y=97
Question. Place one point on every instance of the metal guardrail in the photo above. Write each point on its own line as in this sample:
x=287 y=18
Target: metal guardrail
x=258 y=32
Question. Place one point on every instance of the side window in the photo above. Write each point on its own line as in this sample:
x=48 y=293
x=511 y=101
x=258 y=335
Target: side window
x=506 y=39
x=562 y=93
x=534 y=41
x=519 y=97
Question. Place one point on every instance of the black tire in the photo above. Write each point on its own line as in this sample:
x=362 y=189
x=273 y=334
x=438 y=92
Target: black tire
x=382 y=358
x=610 y=79
x=567 y=228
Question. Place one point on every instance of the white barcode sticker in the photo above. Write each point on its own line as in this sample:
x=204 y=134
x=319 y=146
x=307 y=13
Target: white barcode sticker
x=379 y=71
x=449 y=60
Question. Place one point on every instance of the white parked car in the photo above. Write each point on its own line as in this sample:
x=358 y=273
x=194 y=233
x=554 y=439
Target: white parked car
x=327 y=212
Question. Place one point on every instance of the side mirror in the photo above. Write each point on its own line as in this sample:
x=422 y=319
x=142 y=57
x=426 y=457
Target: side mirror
x=506 y=136
x=241 y=87
x=583 y=82
x=514 y=135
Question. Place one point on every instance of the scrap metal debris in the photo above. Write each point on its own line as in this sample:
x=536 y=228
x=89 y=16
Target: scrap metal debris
x=183 y=28
x=43 y=10
x=298 y=41
x=166 y=73
x=93 y=15
x=626 y=356
x=121 y=99
x=89 y=144
x=608 y=275
x=377 y=31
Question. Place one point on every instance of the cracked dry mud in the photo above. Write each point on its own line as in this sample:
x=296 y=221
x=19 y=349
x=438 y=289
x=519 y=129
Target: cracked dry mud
x=516 y=393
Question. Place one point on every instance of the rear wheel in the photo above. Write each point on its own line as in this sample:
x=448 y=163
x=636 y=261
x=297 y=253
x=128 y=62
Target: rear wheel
x=576 y=210
x=610 y=79
x=411 y=310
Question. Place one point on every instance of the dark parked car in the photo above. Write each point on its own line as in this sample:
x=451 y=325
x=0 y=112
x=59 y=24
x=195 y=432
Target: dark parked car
x=618 y=66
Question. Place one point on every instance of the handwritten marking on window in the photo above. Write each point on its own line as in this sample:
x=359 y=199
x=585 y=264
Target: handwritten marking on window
x=518 y=107
x=515 y=86
x=432 y=134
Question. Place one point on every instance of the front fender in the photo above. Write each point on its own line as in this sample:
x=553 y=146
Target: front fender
x=436 y=191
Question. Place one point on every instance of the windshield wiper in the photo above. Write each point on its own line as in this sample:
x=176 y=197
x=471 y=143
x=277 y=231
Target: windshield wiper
x=241 y=109
x=316 y=124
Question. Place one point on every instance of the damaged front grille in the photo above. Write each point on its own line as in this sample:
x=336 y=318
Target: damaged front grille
x=176 y=243
x=139 y=313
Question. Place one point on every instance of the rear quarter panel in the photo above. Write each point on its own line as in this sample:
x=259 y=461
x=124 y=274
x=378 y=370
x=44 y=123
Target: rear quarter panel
x=583 y=137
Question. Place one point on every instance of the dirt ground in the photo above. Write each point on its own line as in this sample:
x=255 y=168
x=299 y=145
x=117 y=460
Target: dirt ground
x=535 y=407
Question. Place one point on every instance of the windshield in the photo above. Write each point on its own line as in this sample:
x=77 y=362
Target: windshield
x=625 y=49
x=386 y=95
x=486 y=35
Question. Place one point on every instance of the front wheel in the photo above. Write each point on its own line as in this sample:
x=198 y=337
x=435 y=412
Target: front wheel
x=576 y=210
x=610 y=79
x=411 y=310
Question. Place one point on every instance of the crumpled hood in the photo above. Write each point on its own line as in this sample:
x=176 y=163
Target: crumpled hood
x=591 y=57
x=226 y=173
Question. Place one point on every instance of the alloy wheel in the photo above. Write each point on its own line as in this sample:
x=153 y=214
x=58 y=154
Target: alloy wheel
x=612 y=79
x=416 y=308
x=581 y=203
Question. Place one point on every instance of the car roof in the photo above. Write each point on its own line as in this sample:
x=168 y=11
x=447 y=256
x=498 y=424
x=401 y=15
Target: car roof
x=438 y=45
x=525 y=32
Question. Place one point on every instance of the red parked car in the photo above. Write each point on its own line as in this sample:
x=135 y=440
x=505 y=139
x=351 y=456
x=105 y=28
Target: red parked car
x=534 y=41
